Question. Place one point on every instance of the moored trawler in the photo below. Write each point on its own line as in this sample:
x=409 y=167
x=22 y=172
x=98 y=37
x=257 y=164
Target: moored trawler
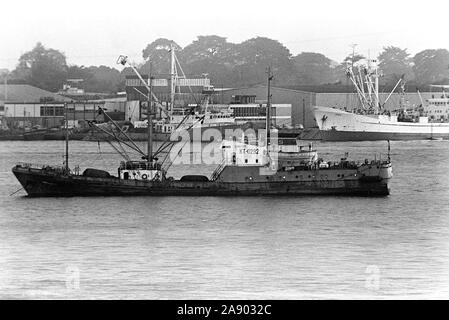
x=298 y=173
x=372 y=122
x=264 y=167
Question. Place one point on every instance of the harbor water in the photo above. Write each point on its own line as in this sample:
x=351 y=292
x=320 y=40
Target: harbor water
x=237 y=248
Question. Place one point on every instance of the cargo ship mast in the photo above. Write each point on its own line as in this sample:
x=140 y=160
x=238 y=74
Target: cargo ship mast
x=365 y=78
x=268 y=108
x=66 y=126
x=173 y=77
x=149 y=119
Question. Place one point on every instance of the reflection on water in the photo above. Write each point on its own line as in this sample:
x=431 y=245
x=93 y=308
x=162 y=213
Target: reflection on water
x=211 y=247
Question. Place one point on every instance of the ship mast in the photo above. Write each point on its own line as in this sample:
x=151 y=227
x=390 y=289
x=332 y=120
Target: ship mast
x=173 y=77
x=149 y=119
x=376 y=86
x=66 y=139
x=268 y=109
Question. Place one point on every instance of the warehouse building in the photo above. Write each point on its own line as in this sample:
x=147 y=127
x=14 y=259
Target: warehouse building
x=24 y=106
x=187 y=90
x=247 y=109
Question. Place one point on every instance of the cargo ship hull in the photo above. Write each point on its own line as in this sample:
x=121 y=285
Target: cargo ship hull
x=335 y=135
x=338 y=125
x=38 y=183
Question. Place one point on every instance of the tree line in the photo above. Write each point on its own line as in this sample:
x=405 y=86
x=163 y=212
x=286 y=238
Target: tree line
x=231 y=65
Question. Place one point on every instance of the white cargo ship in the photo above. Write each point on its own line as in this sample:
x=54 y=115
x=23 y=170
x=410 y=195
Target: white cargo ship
x=371 y=121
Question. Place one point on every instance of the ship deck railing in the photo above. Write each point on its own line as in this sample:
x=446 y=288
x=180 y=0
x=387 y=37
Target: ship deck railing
x=336 y=165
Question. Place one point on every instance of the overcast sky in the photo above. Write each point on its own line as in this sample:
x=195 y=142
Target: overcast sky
x=96 y=32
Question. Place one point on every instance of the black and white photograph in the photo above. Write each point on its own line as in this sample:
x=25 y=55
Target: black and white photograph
x=224 y=150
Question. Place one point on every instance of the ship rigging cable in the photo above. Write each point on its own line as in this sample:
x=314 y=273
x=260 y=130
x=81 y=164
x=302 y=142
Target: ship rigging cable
x=167 y=144
x=124 y=155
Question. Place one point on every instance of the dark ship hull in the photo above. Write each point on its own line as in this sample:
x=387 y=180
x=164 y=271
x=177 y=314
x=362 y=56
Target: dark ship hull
x=42 y=183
